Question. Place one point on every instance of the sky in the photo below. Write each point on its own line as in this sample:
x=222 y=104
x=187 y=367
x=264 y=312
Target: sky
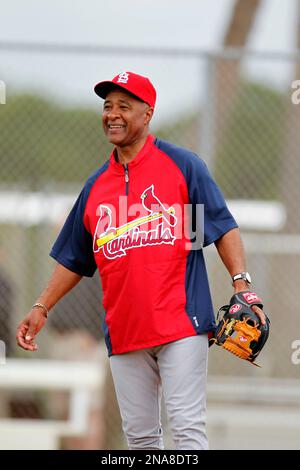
x=182 y=82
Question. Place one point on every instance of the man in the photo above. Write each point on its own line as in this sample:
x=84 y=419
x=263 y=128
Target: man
x=129 y=221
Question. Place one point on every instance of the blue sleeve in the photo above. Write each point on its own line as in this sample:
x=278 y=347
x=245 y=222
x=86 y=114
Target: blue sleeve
x=74 y=245
x=202 y=190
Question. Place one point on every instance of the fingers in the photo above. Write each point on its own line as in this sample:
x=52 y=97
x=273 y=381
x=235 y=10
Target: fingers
x=258 y=311
x=29 y=328
x=31 y=332
x=25 y=337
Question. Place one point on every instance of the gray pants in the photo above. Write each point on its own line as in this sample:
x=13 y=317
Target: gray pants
x=179 y=369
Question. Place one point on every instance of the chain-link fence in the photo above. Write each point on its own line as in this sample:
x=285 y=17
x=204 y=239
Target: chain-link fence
x=232 y=108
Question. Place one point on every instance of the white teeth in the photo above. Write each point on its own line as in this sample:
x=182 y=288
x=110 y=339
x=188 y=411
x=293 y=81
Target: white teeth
x=115 y=127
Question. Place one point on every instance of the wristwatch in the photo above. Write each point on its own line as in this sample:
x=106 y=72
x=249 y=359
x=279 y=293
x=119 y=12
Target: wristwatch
x=244 y=276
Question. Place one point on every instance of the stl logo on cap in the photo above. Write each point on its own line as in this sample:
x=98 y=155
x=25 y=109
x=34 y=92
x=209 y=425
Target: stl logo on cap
x=137 y=85
x=123 y=77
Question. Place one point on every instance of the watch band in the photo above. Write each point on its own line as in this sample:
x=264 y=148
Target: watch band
x=244 y=276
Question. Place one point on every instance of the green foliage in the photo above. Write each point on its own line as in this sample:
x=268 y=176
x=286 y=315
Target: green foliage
x=184 y=131
x=248 y=160
x=41 y=142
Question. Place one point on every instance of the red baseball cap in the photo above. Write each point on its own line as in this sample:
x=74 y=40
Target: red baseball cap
x=137 y=85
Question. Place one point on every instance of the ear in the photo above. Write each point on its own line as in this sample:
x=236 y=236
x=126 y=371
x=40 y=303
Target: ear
x=148 y=114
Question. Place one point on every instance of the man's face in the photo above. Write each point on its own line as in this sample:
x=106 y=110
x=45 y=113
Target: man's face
x=125 y=119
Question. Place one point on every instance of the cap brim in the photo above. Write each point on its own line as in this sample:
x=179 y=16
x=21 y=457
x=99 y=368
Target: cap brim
x=103 y=88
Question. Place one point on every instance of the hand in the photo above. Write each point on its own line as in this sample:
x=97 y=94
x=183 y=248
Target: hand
x=259 y=312
x=241 y=285
x=29 y=328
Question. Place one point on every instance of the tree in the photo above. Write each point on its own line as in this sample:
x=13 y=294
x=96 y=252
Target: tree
x=41 y=142
x=227 y=71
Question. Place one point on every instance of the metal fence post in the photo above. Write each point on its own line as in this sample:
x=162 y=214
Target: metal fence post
x=207 y=118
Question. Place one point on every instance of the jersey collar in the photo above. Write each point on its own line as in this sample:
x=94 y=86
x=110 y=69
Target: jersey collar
x=138 y=159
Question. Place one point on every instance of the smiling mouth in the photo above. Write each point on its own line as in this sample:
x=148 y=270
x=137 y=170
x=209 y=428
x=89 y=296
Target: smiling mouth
x=115 y=126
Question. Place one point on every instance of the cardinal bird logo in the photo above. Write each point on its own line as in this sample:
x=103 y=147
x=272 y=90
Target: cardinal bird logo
x=152 y=204
x=103 y=225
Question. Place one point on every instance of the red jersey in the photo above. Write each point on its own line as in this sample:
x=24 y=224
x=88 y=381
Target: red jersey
x=133 y=223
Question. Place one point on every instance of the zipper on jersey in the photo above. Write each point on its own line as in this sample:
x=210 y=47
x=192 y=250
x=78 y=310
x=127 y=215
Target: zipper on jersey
x=126 y=179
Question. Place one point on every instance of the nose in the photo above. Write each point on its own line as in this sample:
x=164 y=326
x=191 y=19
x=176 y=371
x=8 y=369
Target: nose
x=112 y=114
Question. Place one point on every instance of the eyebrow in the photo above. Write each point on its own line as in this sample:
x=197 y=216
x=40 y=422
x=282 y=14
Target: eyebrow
x=119 y=101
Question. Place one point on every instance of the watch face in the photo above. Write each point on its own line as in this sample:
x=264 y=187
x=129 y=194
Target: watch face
x=248 y=278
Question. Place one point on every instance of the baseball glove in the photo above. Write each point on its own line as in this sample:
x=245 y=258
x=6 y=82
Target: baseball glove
x=239 y=330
